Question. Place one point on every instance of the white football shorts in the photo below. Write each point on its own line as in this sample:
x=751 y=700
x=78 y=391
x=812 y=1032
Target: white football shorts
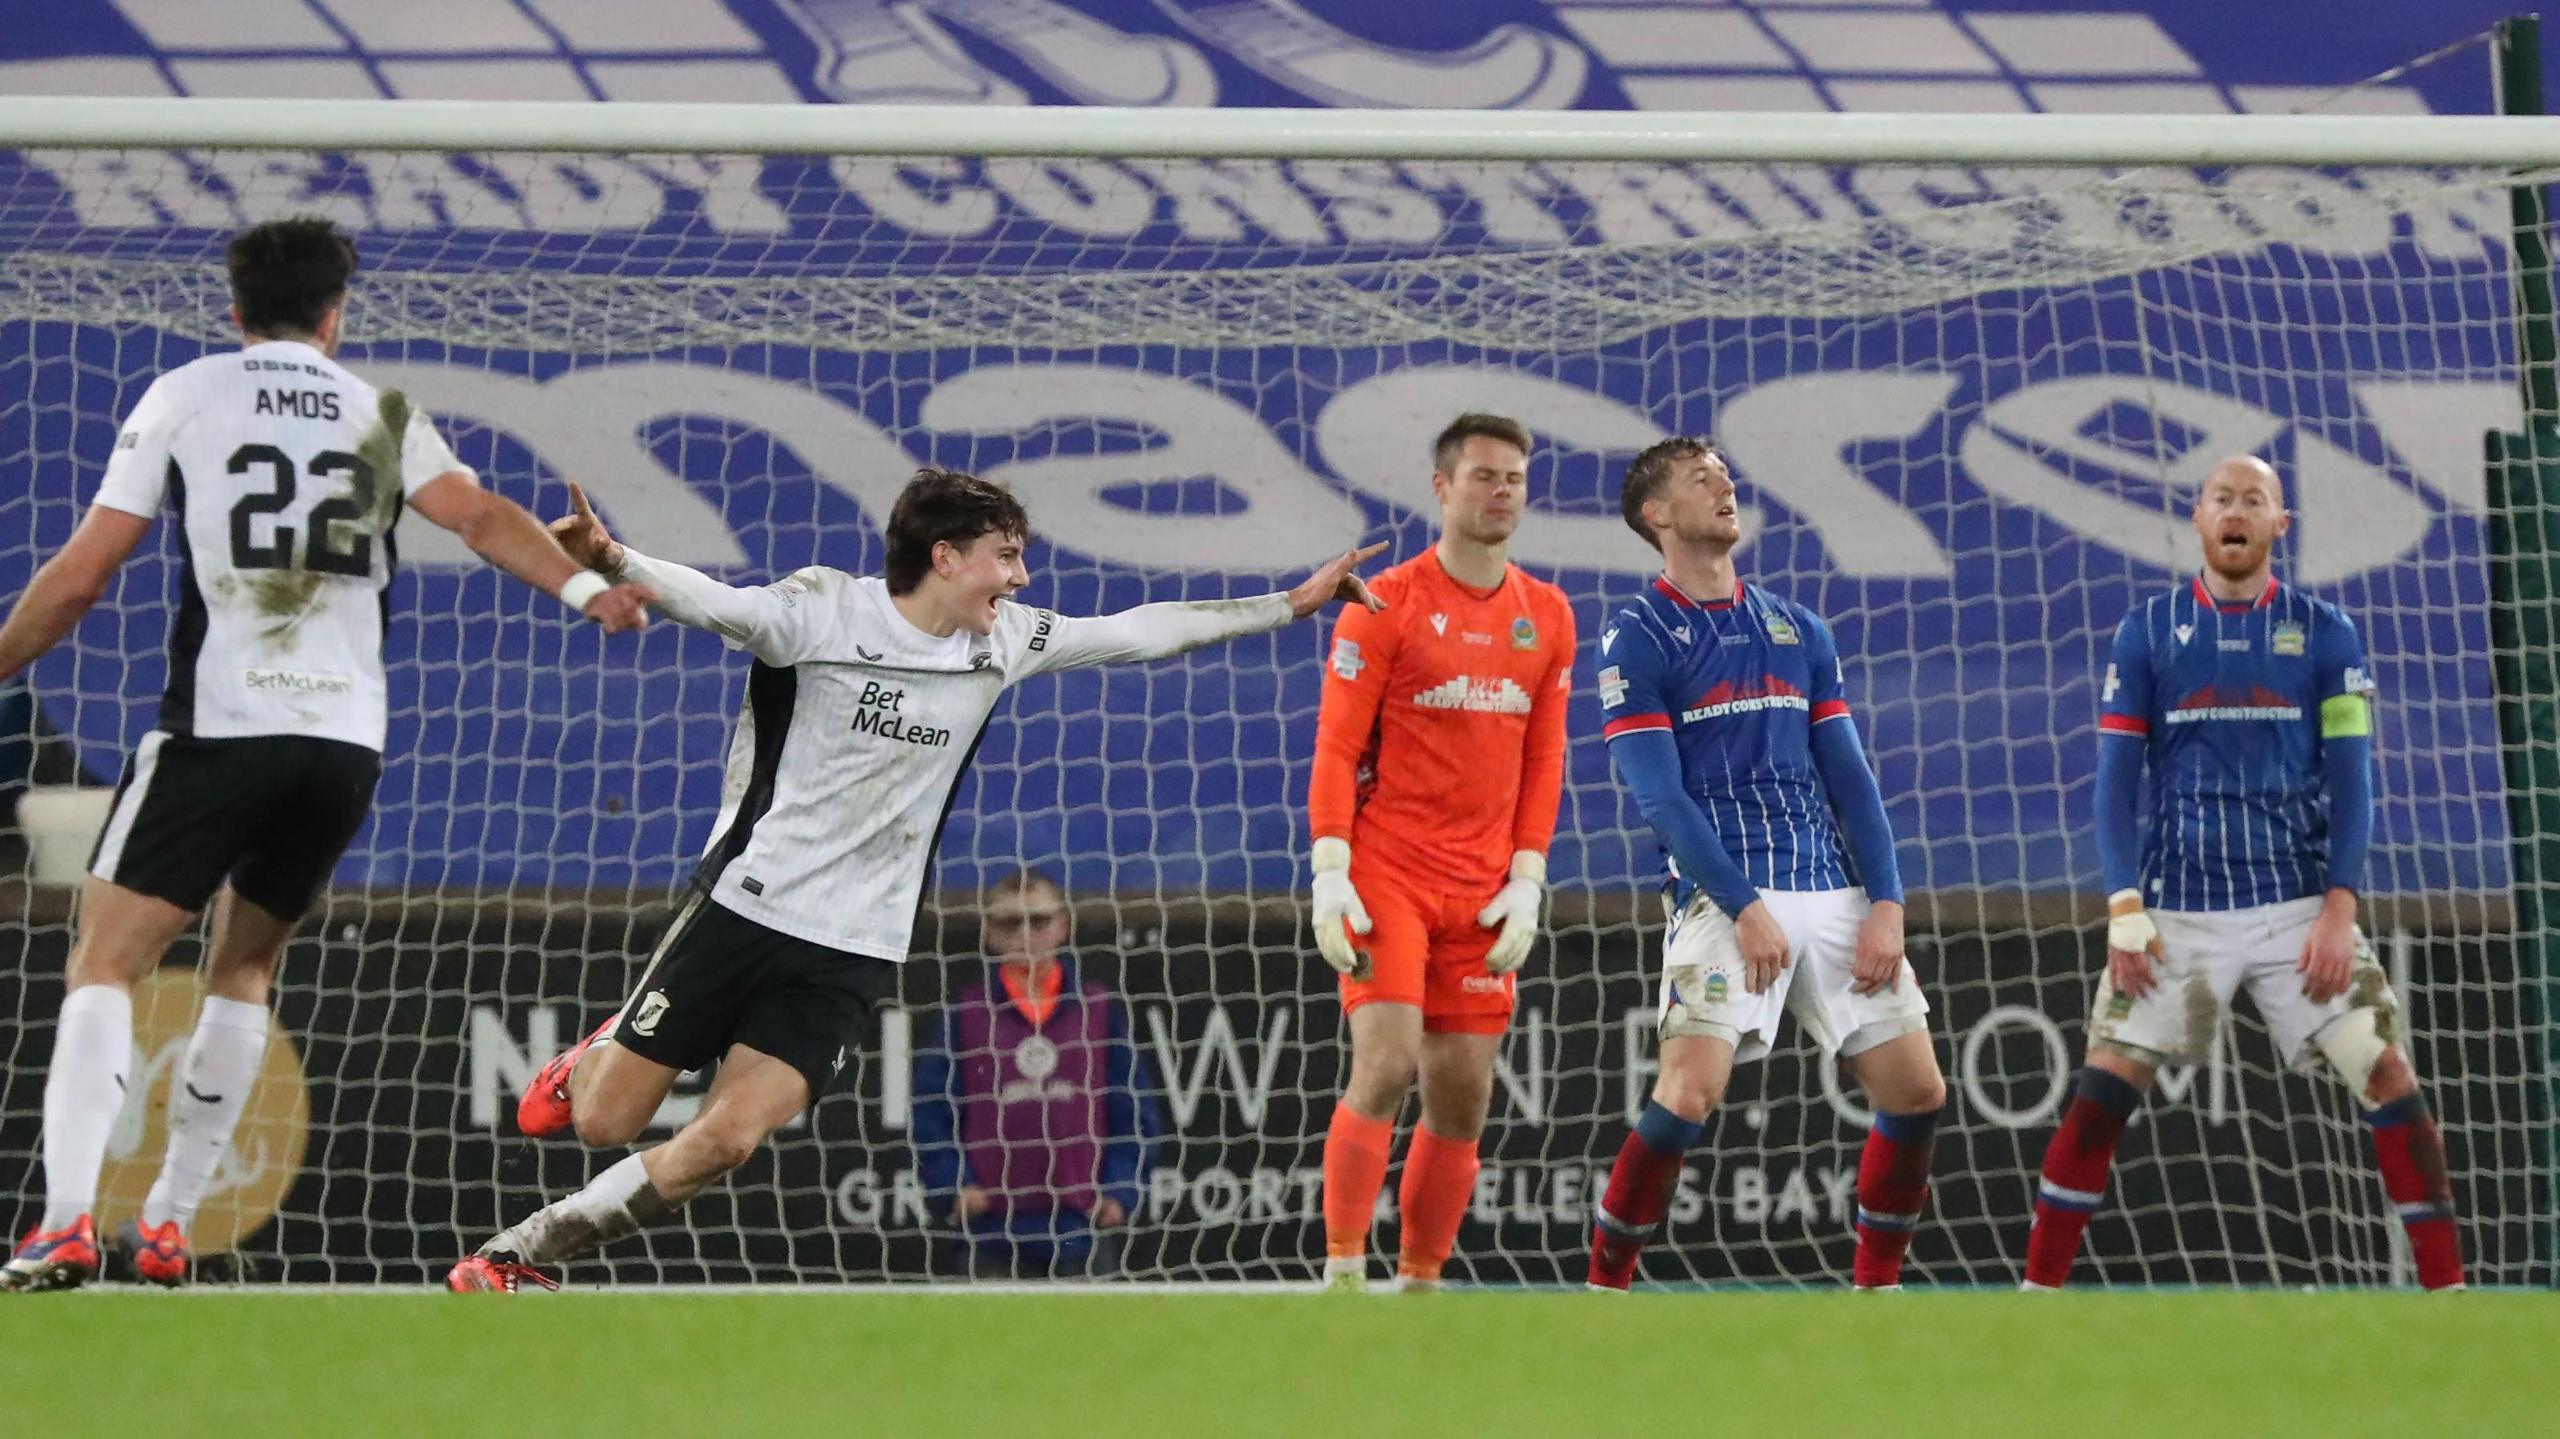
x=1703 y=991
x=2207 y=957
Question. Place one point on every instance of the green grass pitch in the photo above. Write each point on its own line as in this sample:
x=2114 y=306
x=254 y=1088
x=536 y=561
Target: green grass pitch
x=1137 y=1364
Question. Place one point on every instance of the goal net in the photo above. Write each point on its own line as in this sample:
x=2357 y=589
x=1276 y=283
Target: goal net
x=1968 y=409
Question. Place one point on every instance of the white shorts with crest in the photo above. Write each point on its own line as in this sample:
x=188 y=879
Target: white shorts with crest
x=1703 y=989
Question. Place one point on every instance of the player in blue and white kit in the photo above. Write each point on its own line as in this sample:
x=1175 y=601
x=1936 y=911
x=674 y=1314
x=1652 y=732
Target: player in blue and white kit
x=2251 y=704
x=1726 y=721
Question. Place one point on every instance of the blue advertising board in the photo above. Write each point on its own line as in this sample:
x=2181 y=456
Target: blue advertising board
x=1973 y=479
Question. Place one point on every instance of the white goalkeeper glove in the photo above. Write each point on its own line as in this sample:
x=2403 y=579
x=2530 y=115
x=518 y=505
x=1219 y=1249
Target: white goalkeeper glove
x=1516 y=910
x=1337 y=904
x=2129 y=928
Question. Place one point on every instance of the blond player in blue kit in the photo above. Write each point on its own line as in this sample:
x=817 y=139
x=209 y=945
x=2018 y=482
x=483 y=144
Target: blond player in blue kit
x=2251 y=704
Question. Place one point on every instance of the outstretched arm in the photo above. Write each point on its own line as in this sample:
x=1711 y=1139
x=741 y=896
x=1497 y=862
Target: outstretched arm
x=500 y=531
x=1150 y=632
x=1153 y=632
x=68 y=584
x=773 y=621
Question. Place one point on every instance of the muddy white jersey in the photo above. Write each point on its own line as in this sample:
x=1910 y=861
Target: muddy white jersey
x=287 y=474
x=857 y=727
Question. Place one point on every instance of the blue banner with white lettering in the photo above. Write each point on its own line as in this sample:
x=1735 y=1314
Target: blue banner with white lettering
x=1967 y=407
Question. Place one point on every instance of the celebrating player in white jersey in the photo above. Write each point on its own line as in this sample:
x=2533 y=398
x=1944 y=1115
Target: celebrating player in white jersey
x=2251 y=702
x=286 y=474
x=1727 y=722
x=865 y=702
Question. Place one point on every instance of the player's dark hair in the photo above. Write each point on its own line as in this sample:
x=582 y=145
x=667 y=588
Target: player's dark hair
x=1646 y=473
x=1444 y=449
x=287 y=274
x=945 y=505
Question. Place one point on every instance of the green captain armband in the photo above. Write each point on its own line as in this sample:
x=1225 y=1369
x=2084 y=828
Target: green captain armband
x=2345 y=717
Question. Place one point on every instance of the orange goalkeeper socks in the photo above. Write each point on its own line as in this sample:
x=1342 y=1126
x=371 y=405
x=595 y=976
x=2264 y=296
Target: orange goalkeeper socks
x=1355 y=1169
x=1439 y=1178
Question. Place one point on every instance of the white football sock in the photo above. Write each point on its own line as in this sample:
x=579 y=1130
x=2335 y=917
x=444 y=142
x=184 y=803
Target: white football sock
x=614 y=1203
x=214 y=1080
x=83 y=1094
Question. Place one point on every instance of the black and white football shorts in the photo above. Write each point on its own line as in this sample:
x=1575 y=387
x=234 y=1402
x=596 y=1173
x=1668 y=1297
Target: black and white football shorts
x=719 y=978
x=269 y=813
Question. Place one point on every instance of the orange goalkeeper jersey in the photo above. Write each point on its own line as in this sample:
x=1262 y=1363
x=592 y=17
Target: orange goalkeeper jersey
x=1440 y=739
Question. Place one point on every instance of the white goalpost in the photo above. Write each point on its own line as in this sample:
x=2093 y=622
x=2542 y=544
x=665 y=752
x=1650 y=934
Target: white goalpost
x=1969 y=369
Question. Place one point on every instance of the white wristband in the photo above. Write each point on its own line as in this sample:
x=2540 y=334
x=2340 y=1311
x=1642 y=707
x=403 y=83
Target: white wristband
x=583 y=587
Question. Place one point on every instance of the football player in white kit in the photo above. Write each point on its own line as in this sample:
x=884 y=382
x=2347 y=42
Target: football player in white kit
x=285 y=473
x=864 y=704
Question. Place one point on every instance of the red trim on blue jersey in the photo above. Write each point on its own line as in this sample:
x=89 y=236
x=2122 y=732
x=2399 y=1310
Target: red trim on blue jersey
x=2206 y=598
x=2123 y=724
x=1629 y=724
x=1680 y=597
x=1830 y=710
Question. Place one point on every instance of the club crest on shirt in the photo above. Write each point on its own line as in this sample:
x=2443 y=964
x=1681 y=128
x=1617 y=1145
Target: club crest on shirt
x=2289 y=639
x=1524 y=635
x=1036 y=1057
x=1347 y=663
x=1782 y=631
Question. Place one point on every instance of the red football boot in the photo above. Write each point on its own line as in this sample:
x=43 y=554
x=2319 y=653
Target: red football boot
x=159 y=1256
x=544 y=1109
x=485 y=1274
x=64 y=1258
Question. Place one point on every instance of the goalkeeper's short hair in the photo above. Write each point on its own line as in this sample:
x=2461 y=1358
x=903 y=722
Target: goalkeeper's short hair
x=1446 y=444
x=945 y=505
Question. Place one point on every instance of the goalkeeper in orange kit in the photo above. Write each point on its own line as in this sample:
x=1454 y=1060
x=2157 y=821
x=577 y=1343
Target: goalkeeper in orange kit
x=1439 y=759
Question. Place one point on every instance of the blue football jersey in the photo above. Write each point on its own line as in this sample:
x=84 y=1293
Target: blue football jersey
x=1740 y=683
x=2230 y=701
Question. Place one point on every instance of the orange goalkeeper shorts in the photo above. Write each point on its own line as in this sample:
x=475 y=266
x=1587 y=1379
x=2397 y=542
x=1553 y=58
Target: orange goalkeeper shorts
x=1426 y=949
